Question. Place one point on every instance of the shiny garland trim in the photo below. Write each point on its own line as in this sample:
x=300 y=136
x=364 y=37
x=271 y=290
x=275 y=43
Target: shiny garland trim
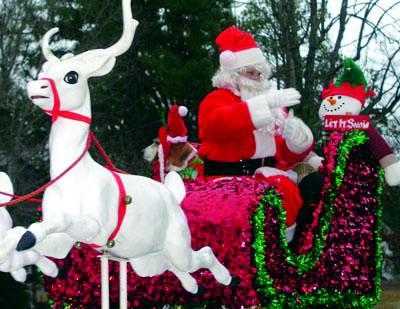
x=305 y=262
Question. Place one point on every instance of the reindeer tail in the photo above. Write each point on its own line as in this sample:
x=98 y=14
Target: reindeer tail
x=174 y=183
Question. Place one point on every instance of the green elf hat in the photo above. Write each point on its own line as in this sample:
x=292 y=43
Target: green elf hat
x=351 y=83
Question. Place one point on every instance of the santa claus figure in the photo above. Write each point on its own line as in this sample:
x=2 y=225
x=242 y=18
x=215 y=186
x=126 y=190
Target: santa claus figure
x=244 y=121
x=244 y=128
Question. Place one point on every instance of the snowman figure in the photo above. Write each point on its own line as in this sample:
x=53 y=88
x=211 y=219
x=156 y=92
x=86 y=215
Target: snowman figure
x=347 y=97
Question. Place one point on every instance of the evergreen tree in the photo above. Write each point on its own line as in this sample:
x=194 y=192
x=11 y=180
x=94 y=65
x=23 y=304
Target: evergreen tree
x=170 y=62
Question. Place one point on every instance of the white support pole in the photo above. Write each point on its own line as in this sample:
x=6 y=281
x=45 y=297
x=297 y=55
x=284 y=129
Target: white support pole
x=105 y=292
x=123 y=285
x=123 y=281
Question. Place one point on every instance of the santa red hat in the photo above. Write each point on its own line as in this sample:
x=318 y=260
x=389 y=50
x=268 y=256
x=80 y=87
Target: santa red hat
x=176 y=132
x=238 y=49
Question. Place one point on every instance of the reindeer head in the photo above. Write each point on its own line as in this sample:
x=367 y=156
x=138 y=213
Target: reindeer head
x=63 y=81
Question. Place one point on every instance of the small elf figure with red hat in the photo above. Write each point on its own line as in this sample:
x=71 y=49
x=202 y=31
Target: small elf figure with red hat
x=174 y=151
x=347 y=97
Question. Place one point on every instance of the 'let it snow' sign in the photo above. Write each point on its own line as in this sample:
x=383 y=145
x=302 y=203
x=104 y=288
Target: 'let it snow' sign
x=346 y=122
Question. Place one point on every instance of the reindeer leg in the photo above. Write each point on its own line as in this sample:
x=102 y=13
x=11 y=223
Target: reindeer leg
x=9 y=242
x=183 y=258
x=205 y=258
x=19 y=275
x=186 y=279
x=59 y=223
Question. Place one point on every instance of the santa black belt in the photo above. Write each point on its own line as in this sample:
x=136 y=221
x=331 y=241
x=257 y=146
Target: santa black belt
x=239 y=168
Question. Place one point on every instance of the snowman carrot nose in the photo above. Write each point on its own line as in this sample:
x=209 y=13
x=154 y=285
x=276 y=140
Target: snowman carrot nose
x=332 y=101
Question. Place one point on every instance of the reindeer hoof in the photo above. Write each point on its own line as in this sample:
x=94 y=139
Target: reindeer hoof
x=27 y=241
x=234 y=281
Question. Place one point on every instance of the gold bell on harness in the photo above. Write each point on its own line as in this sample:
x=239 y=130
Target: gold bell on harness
x=127 y=199
x=110 y=243
x=78 y=245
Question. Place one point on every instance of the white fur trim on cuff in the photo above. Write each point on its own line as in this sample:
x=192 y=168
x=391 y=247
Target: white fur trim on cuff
x=242 y=58
x=161 y=161
x=267 y=171
x=314 y=160
x=260 y=112
x=289 y=231
x=177 y=139
x=300 y=146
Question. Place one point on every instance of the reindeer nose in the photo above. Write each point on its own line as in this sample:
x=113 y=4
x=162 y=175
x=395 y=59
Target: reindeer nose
x=332 y=101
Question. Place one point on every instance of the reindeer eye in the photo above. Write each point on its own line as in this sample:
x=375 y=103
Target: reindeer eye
x=71 y=77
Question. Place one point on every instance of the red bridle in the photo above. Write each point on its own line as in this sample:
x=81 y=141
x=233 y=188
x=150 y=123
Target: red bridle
x=57 y=112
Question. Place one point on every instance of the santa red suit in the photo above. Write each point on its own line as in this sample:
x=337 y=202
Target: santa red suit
x=237 y=134
x=231 y=130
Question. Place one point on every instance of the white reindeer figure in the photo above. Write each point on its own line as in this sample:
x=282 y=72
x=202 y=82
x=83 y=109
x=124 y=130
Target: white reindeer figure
x=15 y=261
x=83 y=205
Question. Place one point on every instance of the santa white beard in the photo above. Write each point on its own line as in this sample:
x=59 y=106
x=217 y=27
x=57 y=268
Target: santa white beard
x=250 y=88
x=246 y=88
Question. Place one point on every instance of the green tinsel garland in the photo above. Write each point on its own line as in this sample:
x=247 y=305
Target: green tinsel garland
x=305 y=262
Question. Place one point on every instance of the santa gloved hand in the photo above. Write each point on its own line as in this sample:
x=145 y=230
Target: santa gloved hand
x=314 y=160
x=283 y=98
x=297 y=135
x=392 y=174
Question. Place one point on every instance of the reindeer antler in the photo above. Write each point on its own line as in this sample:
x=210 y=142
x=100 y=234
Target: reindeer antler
x=48 y=55
x=128 y=33
x=117 y=49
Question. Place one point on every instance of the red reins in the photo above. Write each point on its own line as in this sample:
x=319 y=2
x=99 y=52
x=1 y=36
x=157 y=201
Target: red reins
x=45 y=186
x=55 y=113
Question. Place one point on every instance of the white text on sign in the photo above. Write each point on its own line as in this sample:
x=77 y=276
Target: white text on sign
x=347 y=122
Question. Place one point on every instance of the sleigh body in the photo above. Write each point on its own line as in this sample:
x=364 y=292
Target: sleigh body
x=337 y=262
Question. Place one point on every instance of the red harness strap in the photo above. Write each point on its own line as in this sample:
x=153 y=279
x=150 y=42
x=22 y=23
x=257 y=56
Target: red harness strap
x=122 y=203
x=121 y=207
x=55 y=113
x=56 y=108
x=70 y=115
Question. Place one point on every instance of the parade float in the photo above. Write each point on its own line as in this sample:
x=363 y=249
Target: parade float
x=200 y=242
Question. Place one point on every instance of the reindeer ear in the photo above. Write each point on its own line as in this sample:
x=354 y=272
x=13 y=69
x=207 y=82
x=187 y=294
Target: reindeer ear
x=98 y=64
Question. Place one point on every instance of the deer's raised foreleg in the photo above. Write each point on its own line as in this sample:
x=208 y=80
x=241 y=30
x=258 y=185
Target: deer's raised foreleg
x=83 y=228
